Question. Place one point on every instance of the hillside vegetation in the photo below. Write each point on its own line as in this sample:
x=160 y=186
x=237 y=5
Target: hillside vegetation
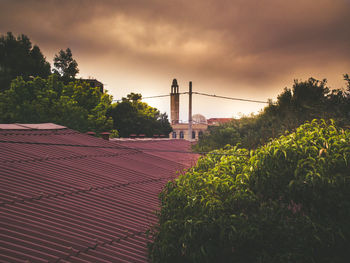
x=286 y=201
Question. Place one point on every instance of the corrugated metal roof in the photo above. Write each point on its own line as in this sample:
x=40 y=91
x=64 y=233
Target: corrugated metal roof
x=174 y=150
x=39 y=126
x=71 y=197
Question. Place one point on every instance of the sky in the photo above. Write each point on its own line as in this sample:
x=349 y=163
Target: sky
x=250 y=49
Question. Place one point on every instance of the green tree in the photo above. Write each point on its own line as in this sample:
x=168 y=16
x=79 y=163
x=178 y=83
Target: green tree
x=305 y=101
x=65 y=65
x=75 y=105
x=218 y=137
x=19 y=58
x=132 y=116
x=286 y=201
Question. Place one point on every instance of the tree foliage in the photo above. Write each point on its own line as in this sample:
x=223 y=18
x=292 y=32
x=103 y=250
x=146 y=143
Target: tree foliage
x=132 y=116
x=305 y=101
x=65 y=66
x=35 y=96
x=75 y=105
x=18 y=57
x=286 y=201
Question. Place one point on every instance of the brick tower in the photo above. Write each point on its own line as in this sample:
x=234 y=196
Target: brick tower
x=174 y=102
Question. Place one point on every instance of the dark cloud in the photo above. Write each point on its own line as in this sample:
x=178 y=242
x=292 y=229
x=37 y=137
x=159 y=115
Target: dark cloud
x=250 y=43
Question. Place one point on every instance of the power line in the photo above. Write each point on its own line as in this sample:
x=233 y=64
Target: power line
x=159 y=96
x=228 y=98
x=150 y=97
x=156 y=96
x=203 y=94
x=167 y=95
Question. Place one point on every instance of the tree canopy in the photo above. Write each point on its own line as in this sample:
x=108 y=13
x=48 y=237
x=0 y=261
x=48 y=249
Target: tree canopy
x=132 y=116
x=76 y=105
x=29 y=94
x=286 y=201
x=65 y=66
x=18 y=57
x=79 y=106
x=305 y=101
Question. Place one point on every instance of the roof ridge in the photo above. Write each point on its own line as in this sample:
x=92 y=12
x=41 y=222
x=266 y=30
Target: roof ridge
x=31 y=126
x=53 y=132
x=67 y=158
x=150 y=140
x=78 y=191
x=118 y=146
x=147 y=152
x=98 y=243
x=72 y=145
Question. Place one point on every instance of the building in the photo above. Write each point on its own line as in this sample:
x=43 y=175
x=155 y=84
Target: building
x=199 y=122
x=218 y=121
x=94 y=83
x=72 y=197
x=180 y=130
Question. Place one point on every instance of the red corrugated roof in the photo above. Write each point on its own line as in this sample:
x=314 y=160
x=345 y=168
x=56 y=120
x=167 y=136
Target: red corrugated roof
x=71 y=197
x=219 y=120
x=39 y=126
x=174 y=150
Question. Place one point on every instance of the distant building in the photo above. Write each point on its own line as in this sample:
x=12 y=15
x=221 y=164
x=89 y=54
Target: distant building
x=218 y=121
x=180 y=130
x=94 y=83
x=199 y=122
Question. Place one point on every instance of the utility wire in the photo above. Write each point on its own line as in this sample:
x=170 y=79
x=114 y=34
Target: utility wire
x=228 y=98
x=203 y=94
x=151 y=97
x=167 y=95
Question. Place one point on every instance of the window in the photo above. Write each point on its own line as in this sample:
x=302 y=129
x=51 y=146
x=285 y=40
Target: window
x=193 y=135
x=200 y=134
x=174 y=135
x=181 y=134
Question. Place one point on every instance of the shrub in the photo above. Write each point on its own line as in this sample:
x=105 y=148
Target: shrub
x=287 y=201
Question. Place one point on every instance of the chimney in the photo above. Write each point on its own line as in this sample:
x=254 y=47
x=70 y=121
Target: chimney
x=105 y=135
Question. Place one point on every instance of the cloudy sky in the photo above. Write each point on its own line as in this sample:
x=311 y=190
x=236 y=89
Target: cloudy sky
x=248 y=49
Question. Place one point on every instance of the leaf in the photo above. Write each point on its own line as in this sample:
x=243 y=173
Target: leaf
x=322 y=152
x=291 y=183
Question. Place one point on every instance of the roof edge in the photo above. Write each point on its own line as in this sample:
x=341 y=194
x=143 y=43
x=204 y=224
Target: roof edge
x=31 y=126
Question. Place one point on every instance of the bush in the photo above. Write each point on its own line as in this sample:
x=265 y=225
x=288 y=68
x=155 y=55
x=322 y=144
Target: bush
x=287 y=201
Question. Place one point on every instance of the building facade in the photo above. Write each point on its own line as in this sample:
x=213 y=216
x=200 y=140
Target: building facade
x=180 y=131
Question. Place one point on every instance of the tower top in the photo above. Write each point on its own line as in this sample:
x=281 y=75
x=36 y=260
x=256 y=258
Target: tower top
x=174 y=87
x=174 y=82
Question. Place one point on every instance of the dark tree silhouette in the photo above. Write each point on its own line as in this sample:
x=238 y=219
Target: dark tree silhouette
x=132 y=116
x=65 y=65
x=19 y=58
